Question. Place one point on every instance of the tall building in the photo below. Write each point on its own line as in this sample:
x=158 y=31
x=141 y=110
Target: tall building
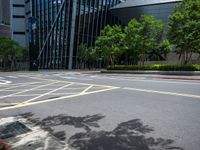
x=13 y=21
x=56 y=28
x=62 y=25
x=5 y=18
x=4 y=11
x=18 y=22
x=160 y=9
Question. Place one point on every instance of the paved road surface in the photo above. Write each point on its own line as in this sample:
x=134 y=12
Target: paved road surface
x=93 y=111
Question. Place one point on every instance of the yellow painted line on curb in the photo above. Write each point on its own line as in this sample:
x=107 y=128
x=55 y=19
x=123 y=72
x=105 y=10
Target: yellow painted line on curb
x=163 y=92
x=57 y=99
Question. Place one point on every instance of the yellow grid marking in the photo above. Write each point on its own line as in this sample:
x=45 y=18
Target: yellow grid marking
x=32 y=101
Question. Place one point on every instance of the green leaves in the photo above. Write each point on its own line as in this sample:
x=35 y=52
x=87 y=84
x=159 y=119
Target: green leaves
x=10 y=47
x=144 y=38
x=11 y=51
x=111 y=43
x=184 y=29
x=86 y=54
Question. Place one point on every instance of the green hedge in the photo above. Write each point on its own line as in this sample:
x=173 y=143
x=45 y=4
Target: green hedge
x=156 y=67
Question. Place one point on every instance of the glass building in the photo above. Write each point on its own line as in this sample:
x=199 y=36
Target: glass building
x=58 y=27
x=160 y=9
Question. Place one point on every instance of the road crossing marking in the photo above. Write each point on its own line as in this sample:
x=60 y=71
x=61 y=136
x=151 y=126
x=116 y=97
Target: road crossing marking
x=17 y=86
x=42 y=95
x=13 y=77
x=36 y=100
x=1 y=97
x=56 y=99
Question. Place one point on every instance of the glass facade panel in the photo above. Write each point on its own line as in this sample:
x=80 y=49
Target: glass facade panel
x=159 y=11
x=62 y=25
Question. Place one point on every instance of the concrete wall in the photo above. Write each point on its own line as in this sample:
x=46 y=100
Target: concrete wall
x=18 y=26
x=1 y=12
x=173 y=58
x=5 y=10
x=4 y=18
x=4 y=31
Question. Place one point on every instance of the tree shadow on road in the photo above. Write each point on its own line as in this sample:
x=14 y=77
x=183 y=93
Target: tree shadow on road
x=85 y=122
x=130 y=135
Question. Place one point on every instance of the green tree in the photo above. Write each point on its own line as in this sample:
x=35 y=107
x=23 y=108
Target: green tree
x=10 y=52
x=92 y=57
x=133 y=40
x=110 y=44
x=87 y=56
x=160 y=51
x=184 y=29
x=82 y=55
x=145 y=37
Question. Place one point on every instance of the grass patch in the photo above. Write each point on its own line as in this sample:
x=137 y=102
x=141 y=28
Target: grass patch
x=156 y=67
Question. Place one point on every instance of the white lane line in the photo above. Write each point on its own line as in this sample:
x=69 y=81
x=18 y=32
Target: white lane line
x=16 y=84
x=47 y=93
x=13 y=77
x=3 y=82
x=1 y=97
x=163 y=92
x=23 y=76
x=75 y=78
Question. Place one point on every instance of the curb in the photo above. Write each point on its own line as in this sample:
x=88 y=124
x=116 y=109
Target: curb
x=186 y=73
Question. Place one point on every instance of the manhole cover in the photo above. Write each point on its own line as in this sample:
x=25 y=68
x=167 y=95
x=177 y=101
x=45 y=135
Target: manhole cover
x=12 y=129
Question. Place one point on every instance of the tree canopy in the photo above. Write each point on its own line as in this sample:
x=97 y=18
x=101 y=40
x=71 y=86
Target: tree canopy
x=110 y=43
x=10 y=51
x=149 y=39
x=145 y=38
x=184 y=29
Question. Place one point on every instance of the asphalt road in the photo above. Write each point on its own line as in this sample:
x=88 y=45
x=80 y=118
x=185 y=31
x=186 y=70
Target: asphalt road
x=93 y=111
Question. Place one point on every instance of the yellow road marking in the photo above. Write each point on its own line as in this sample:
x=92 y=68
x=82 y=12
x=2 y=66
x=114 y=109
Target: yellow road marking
x=82 y=93
x=80 y=83
x=47 y=93
x=18 y=86
x=56 y=99
x=1 y=97
x=163 y=92
x=30 y=95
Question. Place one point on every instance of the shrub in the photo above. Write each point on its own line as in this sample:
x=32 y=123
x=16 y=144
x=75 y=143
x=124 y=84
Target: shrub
x=156 y=67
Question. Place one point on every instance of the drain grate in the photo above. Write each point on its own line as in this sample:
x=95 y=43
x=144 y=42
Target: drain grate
x=12 y=129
